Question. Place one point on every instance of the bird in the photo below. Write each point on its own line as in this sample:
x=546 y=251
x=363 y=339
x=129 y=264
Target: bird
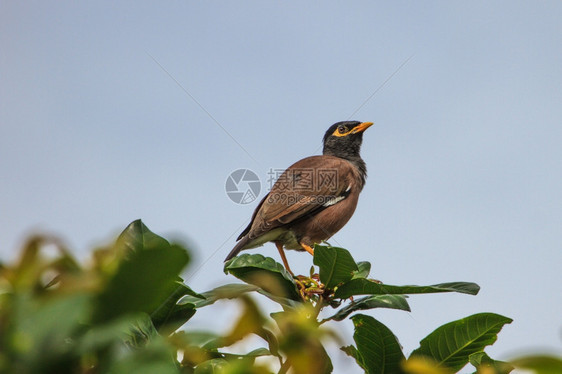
x=313 y=198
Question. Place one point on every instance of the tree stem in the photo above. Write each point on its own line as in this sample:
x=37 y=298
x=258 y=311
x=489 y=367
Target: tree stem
x=285 y=367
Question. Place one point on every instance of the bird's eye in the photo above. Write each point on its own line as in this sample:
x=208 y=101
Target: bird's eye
x=342 y=129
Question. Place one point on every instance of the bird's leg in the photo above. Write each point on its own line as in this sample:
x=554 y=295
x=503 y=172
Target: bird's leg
x=279 y=246
x=307 y=248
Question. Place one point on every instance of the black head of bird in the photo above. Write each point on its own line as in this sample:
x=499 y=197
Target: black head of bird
x=314 y=198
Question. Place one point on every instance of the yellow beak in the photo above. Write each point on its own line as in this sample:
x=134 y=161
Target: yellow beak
x=362 y=127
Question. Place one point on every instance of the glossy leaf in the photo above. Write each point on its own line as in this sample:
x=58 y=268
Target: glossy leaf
x=263 y=272
x=336 y=265
x=155 y=358
x=137 y=237
x=351 y=351
x=144 y=278
x=214 y=366
x=242 y=365
x=540 y=364
x=196 y=338
x=31 y=266
x=361 y=286
x=378 y=350
x=259 y=352
x=423 y=365
x=141 y=331
x=283 y=301
x=44 y=326
x=101 y=336
x=371 y=302
x=170 y=314
x=228 y=291
x=364 y=268
x=451 y=344
x=484 y=364
x=300 y=340
x=250 y=321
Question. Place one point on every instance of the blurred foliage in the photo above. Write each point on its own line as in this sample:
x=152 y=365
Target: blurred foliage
x=127 y=311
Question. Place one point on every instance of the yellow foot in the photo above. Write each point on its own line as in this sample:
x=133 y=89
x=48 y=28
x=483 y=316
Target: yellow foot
x=309 y=287
x=279 y=246
x=307 y=248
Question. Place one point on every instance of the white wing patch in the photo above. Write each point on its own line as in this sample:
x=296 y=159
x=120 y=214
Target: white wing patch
x=333 y=200
x=336 y=199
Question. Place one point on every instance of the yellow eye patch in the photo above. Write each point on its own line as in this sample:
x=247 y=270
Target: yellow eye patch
x=342 y=131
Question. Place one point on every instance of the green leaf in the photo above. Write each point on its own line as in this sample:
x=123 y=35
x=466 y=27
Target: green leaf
x=364 y=269
x=483 y=362
x=351 y=351
x=137 y=237
x=540 y=364
x=144 y=279
x=201 y=339
x=141 y=331
x=336 y=265
x=157 y=356
x=370 y=302
x=451 y=345
x=283 y=301
x=214 y=366
x=32 y=266
x=103 y=336
x=326 y=366
x=227 y=291
x=259 y=352
x=232 y=291
x=378 y=351
x=170 y=314
x=40 y=330
x=361 y=286
x=265 y=273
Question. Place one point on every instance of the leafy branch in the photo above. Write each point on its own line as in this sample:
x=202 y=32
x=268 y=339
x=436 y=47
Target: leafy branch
x=128 y=310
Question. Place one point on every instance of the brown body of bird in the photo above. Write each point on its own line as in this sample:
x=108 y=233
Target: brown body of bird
x=314 y=198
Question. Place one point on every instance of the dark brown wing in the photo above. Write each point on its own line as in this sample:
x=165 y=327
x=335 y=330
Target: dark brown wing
x=247 y=229
x=305 y=188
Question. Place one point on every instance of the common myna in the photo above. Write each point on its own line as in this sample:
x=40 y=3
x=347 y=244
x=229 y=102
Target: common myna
x=314 y=198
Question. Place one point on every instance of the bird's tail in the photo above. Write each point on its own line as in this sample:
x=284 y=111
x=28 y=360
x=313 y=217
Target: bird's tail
x=238 y=247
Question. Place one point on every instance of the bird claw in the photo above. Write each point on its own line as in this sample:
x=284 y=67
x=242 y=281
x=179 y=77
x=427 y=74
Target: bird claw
x=309 y=286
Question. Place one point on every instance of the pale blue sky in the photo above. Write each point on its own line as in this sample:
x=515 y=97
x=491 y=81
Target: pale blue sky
x=464 y=160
